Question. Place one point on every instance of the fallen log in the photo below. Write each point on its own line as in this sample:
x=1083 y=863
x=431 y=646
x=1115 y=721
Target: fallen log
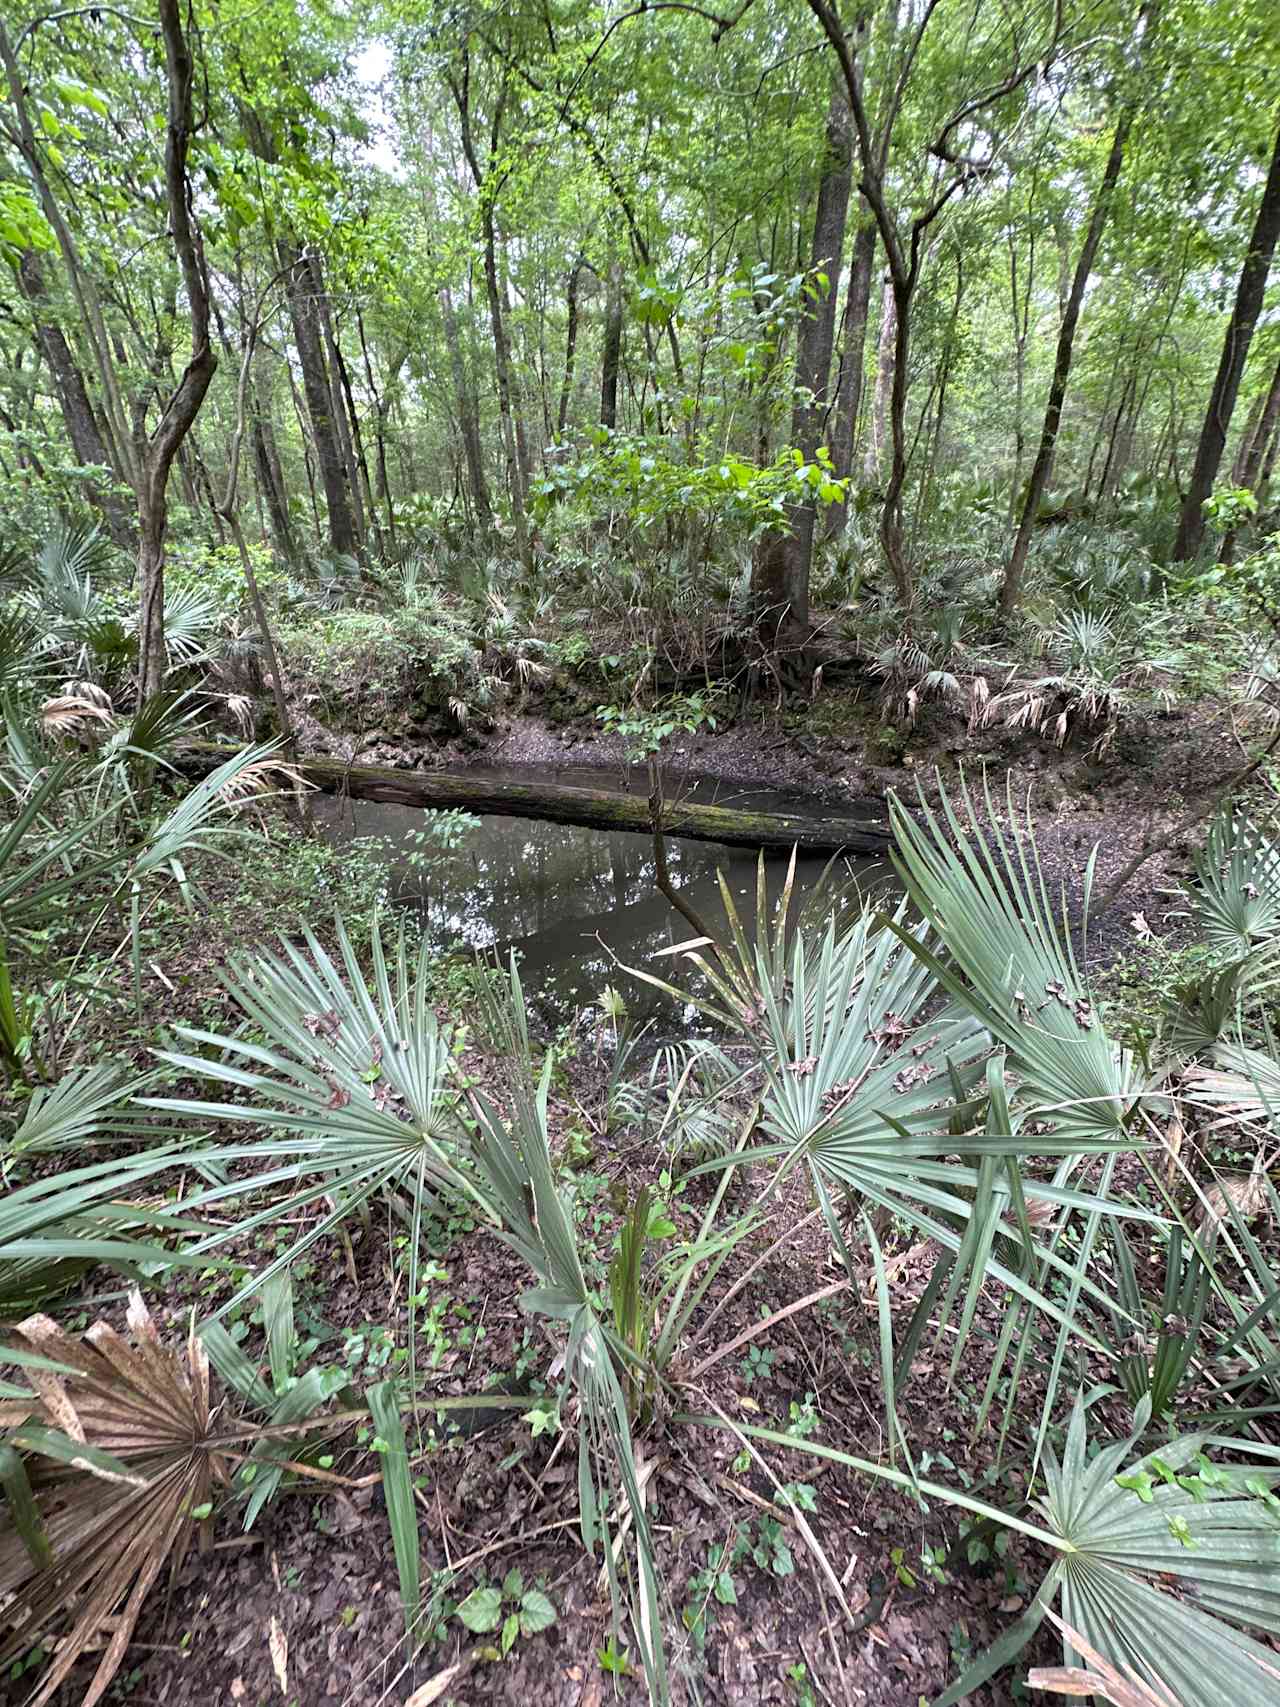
x=557 y=803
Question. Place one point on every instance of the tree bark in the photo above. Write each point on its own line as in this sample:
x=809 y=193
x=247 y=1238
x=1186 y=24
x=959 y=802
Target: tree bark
x=1249 y=472
x=1042 y=468
x=117 y=436
x=497 y=319
x=611 y=355
x=468 y=415
x=570 y=346
x=849 y=386
x=83 y=428
x=874 y=460
x=157 y=453
x=1244 y=317
x=318 y=390
x=344 y=409
x=815 y=338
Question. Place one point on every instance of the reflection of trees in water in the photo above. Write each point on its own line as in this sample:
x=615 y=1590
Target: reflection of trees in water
x=512 y=879
x=567 y=898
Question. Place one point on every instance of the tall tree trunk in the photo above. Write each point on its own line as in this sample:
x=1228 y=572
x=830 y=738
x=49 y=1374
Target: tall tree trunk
x=497 y=319
x=338 y=405
x=1265 y=426
x=1042 y=468
x=570 y=346
x=83 y=428
x=157 y=453
x=873 y=463
x=611 y=354
x=271 y=486
x=116 y=431
x=1246 y=438
x=849 y=385
x=382 y=401
x=815 y=338
x=318 y=391
x=1250 y=467
x=1222 y=399
x=468 y=415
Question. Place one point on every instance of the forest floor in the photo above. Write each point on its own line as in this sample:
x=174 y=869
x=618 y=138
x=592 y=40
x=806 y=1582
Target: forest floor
x=754 y=1618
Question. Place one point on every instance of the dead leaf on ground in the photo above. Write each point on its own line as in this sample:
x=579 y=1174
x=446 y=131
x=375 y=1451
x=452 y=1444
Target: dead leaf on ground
x=278 y=1646
x=435 y=1687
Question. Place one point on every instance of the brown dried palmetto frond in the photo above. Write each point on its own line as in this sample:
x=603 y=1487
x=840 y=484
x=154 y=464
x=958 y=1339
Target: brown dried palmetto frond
x=104 y=1521
x=1123 y=1688
x=254 y=781
x=82 y=710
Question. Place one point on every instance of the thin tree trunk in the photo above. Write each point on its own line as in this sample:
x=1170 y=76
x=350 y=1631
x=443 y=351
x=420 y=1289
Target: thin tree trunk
x=271 y=487
x=849 y=385
x=83 y=428
x=611 y=354
x=1250 y=474
x=116 y=432
x=570 y=347
x=1246 y=438
x=874 y=460
x=1244 y=317
x=1011 y=590
x=497 y=319
x=468 y=415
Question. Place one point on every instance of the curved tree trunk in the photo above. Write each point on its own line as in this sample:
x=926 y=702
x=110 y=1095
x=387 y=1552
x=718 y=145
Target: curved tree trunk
x=184 y=403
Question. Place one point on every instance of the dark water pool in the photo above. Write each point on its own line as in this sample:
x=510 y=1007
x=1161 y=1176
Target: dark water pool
x=573 y=902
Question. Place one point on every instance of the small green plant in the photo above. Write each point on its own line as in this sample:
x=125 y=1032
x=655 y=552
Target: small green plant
x=757 y=1365
x=509 y=1608
x=798 y=1677
x=615 y=1663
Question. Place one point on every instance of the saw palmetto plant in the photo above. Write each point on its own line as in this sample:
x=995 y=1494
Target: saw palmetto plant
x=1162 y=1557
x=110 y=1465
x=113 y=1455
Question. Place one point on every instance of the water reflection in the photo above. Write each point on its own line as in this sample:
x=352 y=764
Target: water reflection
x=568 y=899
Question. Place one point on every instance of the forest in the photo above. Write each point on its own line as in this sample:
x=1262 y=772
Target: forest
x=640 y=853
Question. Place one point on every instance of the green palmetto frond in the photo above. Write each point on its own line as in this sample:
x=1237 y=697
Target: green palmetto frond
x=1237 y=894
x=191 y=622
x=1163 y=1557
x=1011 y=963
x=54 y=1228
x=350 y=1085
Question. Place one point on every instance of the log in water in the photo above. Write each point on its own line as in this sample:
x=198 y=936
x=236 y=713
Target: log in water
x=596 y=808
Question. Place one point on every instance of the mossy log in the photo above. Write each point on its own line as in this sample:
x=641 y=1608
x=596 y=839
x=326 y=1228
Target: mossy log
x=595 y=808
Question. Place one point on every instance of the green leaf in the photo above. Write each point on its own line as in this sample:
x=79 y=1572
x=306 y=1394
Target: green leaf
x=510 y=1630
x=481 y=1610
x=536 y=1612
x=724 y=1589
x=397 y=1486
x=513 y=1585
